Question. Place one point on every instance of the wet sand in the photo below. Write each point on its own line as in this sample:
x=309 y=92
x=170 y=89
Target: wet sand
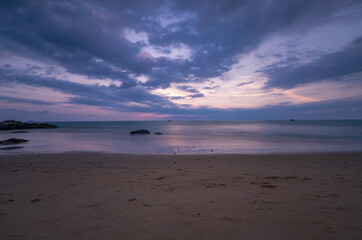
x=114 y=196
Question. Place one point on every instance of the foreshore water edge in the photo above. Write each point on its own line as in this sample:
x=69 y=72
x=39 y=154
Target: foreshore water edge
x=192 y=137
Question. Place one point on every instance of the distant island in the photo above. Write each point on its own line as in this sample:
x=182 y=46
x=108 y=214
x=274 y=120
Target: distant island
x=12 y=124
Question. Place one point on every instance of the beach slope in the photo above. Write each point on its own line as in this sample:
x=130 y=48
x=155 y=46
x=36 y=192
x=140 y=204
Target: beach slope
x=114 y=196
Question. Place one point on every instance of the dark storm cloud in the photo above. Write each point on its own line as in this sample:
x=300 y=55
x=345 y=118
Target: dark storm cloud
x=86 y=37
x=327 y=67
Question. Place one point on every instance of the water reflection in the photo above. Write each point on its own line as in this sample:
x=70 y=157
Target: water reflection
x=194 y=137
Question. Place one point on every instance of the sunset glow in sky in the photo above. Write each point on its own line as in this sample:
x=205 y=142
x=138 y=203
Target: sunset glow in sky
x=150 y=60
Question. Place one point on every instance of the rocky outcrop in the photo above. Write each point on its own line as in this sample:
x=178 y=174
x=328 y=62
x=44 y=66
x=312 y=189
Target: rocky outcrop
x=13 y=141
x=140 y=131
x=158 y=133
x=12 y=124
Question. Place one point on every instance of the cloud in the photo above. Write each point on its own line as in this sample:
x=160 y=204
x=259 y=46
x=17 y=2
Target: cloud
x=211 y=88
x=332 y=66
x=95 y=95
x=188 y=89
x=244 y=83
x=218 y=32
x=349 y=108
x=128 y=84
x=24 y=100
x=88 y=37
x=139 y=46
x=176 y=97
x=197 y=95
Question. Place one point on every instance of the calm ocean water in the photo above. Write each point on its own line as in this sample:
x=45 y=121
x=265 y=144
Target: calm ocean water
x=190 y=137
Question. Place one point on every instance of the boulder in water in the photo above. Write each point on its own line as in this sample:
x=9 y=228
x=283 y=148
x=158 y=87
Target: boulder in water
x=140 y=131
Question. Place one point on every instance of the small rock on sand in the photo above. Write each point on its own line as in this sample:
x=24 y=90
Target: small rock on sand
x=160 y=178
x=35 y=200
x=267 y=186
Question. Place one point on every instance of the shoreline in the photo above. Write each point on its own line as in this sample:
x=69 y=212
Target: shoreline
x=338 y=152
x=193 y=137
x=86 y=195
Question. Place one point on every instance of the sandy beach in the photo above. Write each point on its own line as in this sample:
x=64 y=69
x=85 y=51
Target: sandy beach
x=115 y=196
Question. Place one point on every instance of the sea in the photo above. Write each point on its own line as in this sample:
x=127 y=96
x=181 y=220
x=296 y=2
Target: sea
x=192 y=137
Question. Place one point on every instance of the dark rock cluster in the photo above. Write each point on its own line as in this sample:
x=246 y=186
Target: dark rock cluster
x=13 y=141
x=144 y=131
x=140 y=131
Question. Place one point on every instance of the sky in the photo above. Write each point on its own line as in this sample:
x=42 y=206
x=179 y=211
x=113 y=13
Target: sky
x=100 y=60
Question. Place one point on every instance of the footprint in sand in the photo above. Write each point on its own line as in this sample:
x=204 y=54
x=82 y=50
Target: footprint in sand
x=35 y=200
